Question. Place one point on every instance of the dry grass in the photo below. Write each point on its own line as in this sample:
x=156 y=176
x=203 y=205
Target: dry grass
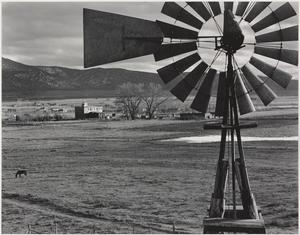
x=115 y=174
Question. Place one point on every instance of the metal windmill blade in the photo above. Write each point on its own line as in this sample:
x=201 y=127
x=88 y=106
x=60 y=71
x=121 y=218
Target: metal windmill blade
x=241 y=8
x=175 y=11
x=200 y=9
x=256 y=10
x=220 y=102
x=186 y=85
x=283 y=12
x=243 y=98
x=202 y=98
x=270 y=45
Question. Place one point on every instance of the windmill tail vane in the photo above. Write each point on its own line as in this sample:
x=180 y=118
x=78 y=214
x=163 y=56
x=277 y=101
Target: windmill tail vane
x=198 y=62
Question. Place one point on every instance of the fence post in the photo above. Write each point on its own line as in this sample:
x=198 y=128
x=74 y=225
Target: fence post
x=174 y=227
x=133 y=228
x=55 y=224
x=29 y=230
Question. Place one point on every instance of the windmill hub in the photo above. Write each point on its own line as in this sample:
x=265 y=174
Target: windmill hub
x=242 y=55
x=233 y=36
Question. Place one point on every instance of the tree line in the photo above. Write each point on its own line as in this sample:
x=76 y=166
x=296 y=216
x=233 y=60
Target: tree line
x=131 y=96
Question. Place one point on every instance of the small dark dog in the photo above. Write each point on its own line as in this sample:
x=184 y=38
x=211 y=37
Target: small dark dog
x=20 y=173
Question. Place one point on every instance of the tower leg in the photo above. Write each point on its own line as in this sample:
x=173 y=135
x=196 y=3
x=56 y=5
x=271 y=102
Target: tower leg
x=217 y=204
x=247 y=197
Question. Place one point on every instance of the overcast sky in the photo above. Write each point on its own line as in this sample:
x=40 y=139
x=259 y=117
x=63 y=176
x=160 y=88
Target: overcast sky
x=40 y=33
x=52 y=33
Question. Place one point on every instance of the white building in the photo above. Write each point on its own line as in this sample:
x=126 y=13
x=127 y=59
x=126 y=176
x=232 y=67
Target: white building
x=86 y=111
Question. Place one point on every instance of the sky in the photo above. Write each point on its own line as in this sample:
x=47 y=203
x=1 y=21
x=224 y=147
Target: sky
x=52 y=33
x=40 y=33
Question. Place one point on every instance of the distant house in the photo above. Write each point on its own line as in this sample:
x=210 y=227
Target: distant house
x=191 y=116
x=9 y=110
x=86 y=111
x=57 y=109
x=209 y=115
x=111 y=112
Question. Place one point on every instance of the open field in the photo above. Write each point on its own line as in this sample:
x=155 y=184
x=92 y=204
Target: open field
x=116 y=177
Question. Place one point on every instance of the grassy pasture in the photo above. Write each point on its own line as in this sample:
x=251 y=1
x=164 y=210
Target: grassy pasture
x=116 y=177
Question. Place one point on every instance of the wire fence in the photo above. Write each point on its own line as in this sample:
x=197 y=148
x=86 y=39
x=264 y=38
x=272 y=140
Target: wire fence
x=56 y=228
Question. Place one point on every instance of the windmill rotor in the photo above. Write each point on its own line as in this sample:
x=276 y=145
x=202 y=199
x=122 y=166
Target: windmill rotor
x=263 y=46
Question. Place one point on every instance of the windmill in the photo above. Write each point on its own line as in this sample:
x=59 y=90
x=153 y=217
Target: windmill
x=111 y=37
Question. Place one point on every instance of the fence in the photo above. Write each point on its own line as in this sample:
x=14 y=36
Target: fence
x=55 y=229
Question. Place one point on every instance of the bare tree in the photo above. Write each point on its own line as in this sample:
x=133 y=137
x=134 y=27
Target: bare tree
x=153 y=96
x=129 y=98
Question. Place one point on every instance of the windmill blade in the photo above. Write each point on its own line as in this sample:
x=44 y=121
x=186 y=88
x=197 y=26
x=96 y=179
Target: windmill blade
x=220 y=103
x=202 y=98
x=241 y=7
x=185 y=86
x=283 y=12
x=243 y=98
x=263 y=91
x=173 y=31
x=228 y=5
x=279 y=76
x=175 y=11
x=285 y=55
x=200 y=9
x=216 y=8
x=286 y=34
x=256 y=10
x=169 y=50
x=169 y=72
x=111 y=37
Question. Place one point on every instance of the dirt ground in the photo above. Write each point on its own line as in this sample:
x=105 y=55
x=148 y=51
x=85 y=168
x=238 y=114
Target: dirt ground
x=119 y=177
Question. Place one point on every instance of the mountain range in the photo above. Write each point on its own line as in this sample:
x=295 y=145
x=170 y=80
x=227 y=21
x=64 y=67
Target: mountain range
x=26 y=81
x=53 y=82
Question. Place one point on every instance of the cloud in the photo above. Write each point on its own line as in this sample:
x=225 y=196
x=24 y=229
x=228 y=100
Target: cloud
x=144 y=63
x=50 y=33
x=64 y=51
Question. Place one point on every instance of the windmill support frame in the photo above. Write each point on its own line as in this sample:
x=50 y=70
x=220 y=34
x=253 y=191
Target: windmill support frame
x=247 y=217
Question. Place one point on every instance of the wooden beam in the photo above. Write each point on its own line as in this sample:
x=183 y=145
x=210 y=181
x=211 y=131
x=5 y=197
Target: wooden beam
x=216 y=225
x=217 y=203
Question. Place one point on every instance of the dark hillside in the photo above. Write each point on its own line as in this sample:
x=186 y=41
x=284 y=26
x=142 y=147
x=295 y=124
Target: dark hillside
x=24 y=81
x=52 y=82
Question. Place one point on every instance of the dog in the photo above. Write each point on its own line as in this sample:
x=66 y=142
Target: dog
x=20 y=173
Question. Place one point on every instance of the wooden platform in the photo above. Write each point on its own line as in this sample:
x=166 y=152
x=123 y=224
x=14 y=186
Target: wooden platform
x=239 y=225
x=220 y=126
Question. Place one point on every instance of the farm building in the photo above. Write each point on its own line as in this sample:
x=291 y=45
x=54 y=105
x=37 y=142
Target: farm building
x=191 y=116
x=86 y=111
x=210 y=115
